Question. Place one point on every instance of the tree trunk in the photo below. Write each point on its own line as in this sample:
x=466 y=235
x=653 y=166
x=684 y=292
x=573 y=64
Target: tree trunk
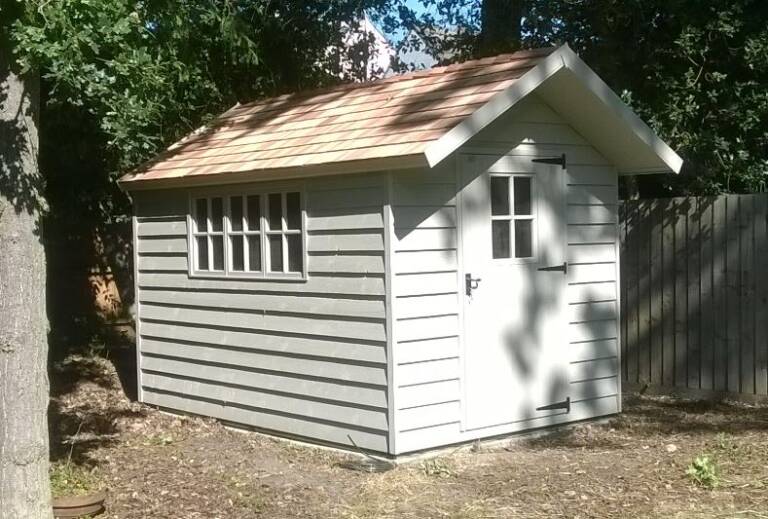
x=500 y=26
x=631 y=188
x=24 y=482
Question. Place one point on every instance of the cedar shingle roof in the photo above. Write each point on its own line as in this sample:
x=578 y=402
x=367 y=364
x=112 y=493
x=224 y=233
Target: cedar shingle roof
x=394 y=117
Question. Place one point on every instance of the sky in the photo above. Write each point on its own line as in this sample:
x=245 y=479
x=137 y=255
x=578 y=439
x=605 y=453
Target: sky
x=417 y=6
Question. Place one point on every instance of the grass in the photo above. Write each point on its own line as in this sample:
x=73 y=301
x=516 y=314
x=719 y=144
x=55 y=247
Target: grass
x=244 y=493
x=68 y=479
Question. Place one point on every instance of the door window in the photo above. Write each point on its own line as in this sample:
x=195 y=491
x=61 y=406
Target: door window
x=512 y=216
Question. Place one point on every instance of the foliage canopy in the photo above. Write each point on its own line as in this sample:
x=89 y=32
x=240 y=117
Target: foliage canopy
x=153 y=70
x=150 y=71
x=695 y=70
x=122 y=79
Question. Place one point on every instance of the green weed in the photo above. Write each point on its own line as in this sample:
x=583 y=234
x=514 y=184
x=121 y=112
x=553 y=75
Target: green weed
x=704 y=472
x=72 y=480
x=437 y=468
x=159 y=439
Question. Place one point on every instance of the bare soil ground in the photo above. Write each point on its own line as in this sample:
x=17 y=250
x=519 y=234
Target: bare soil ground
x=634 y=465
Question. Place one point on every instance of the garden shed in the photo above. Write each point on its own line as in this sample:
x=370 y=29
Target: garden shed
x=397 y=265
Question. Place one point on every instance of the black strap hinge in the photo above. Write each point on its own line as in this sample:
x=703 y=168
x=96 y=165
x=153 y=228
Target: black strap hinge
x=558 y=161
x=557 y=268
x=565 y=404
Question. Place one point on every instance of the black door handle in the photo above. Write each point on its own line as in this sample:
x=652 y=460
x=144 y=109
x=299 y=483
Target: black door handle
x=561 y=268
x=471 y=283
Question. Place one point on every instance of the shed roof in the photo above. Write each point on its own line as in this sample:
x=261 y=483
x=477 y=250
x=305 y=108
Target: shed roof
x=406 y=120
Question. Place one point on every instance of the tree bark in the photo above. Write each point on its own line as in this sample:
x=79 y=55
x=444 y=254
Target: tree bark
x=24 y=480
x=500 y=22
x=631 y=188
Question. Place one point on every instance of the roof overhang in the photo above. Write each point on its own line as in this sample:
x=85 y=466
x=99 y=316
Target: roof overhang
x=274 y=174
x=572 y=89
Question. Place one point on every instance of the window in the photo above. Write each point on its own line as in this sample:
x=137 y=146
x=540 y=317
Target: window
x=248 y=234
x=512 y=216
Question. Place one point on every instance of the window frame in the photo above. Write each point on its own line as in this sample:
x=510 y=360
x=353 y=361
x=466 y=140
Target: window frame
x=226 y=193
x=512 y=217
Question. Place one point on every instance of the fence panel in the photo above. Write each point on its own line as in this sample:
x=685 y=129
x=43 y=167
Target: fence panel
x=694 y=288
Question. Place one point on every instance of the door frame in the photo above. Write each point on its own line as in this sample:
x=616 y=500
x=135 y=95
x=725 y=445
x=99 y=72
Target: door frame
x=463 y=158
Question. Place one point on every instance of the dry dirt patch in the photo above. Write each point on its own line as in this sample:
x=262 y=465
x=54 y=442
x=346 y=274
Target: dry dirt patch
x=159 y=465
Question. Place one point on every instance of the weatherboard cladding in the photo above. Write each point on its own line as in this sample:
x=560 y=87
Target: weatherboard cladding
x=310 y=358
x=426 y=262
x=396 y=116
x=300 y=358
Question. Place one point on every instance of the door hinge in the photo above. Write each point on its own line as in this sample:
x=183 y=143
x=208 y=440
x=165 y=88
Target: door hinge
x=565 y=404
x=558 y=161
x=557 y=268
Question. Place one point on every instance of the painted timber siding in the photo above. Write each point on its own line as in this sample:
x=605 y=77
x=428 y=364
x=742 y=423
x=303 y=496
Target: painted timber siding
x=428 y=298
x=533 y=128
x=301 y=358
x=593 y=287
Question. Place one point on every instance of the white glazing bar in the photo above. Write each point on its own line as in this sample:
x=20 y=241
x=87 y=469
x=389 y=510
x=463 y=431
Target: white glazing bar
x=284 y=226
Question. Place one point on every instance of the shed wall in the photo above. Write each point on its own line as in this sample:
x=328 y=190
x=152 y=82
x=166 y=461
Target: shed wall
x=299 y=358
x=427 y=350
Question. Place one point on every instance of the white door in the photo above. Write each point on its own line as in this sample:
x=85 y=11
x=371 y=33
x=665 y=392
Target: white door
x=514 y=264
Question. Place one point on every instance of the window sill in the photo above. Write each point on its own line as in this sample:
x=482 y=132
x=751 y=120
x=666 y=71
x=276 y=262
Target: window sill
x=296 y=278
x=514 y=261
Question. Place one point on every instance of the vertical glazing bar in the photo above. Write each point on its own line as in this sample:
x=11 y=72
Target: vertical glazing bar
x=283 y=227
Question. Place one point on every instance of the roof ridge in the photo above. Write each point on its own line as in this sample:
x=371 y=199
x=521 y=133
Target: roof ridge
x=407 y=76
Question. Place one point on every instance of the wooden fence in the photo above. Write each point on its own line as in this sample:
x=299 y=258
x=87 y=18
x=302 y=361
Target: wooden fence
x=694 y=293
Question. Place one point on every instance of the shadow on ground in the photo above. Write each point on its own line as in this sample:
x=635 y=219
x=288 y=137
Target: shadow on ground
x=631 y=465
x=654 y=416
x=91 y=396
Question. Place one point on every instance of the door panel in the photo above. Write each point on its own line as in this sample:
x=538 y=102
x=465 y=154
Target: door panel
x=515 y=323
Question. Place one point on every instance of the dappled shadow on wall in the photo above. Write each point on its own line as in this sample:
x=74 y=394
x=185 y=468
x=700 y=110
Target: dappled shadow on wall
x=523 y=343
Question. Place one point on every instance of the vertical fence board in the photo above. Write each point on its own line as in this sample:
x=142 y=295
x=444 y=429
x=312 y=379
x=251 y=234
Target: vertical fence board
x=656 y=342
x=681 y=293
x=623 y=224
x=693 y=301
x=706 y=242
x=695 y=292
x=746 y=289
x=668 y=293
x=720 y=290
x=643 y=289
x=732 y=286
x=761 y=295
x=632 y=299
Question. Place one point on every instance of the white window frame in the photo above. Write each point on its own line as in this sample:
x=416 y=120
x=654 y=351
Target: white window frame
x=227 y=232
x=512 y=217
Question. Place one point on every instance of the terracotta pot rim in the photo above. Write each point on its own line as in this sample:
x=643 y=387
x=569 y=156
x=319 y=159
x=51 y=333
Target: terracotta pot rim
x=78 y=501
